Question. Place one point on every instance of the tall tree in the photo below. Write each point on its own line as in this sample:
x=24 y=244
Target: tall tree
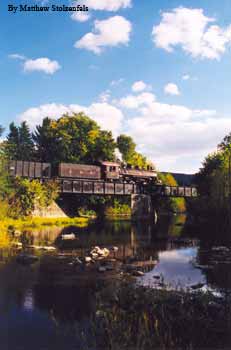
x=26 y=146
x=12 y=143
x=75 y=138
x=205 y=177
x=19 y=144
x=126 y=146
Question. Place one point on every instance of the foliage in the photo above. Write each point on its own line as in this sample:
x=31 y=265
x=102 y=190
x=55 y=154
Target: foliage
x=85 y=212
x=28 y=194
x=214 y=181
x=127 y=147
x=176 y=205
x=75 y=138
x=118 y=208
x=133 y=317
x=204 y=178
x=226 y=142
x=1 y=130
x=19 y=144
x=6 y=189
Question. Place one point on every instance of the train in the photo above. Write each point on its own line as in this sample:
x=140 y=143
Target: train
x=105 y=170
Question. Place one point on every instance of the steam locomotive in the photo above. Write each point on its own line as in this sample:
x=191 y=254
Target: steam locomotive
x=107 y=171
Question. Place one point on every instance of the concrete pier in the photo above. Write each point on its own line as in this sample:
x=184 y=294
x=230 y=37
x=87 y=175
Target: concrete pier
x=142 y=207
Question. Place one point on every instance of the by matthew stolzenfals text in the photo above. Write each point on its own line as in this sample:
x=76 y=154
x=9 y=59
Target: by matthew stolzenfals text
x=52 y=8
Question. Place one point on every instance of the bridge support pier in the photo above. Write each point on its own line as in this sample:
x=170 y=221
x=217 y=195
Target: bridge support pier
x=142 y=207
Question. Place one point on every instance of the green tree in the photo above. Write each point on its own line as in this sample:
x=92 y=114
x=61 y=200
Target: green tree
x=126 y=146
x=75 y=138
x=11 y=145
x=26 y=145
x=19 y=143
x=204 y=179
x=45 y=141
x=177 y=205
x=1 y=130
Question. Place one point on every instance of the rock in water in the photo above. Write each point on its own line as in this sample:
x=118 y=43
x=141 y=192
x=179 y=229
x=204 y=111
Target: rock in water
x=138 y=273
x=100 y=252
x=114 y=249
x=67 y=237
x=94 y=255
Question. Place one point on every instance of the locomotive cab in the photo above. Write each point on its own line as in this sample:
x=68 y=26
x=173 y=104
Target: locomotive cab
x=110 y=171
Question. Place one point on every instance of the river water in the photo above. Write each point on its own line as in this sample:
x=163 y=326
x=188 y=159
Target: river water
x=41 y=302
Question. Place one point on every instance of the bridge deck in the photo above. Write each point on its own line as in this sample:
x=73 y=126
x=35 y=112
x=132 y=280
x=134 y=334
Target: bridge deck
x=110 y=188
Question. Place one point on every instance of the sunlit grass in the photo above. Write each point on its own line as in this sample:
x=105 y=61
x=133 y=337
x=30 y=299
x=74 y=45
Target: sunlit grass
x=27 y=223
x=4 y=239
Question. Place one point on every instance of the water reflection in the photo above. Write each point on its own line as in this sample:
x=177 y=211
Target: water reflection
x=176 y=268
x=46 y=296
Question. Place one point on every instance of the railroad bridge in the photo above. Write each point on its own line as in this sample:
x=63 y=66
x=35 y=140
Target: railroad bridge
x=82 y=186
x=102 y=181
x=143 y=196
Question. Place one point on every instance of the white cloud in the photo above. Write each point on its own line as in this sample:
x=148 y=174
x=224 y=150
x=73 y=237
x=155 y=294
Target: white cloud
x=107 y=116
x=105 y=96
x=116 y=82
x=191 y=30
x=171 y=89
x=111 y=32
x=139 y=86
x=42 y=64
x=106 y=5
x=17 y=56
x=189 y=77
x=175 y=137
x=133 y=102
x=80 y=16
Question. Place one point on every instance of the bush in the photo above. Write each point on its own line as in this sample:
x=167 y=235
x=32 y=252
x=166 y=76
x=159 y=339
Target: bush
x=118 y=208
x=28 y=194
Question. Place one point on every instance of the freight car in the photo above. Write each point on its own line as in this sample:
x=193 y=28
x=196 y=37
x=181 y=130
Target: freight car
x=79 y=171
x=107 y=171
x=33 y=170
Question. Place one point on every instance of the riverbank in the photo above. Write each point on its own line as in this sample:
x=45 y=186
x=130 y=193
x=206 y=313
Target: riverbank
x=131 y=317
x=9 y=224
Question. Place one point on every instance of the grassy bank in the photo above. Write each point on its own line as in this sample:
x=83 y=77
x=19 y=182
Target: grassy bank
x=139 y=318
x=30 y=223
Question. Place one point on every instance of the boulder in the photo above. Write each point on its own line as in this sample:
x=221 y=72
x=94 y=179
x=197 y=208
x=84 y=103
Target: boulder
x=100 y=252
x=94 y=255
x=114 y=249
x=49 y=248
x=67 y=237
x=138 y=273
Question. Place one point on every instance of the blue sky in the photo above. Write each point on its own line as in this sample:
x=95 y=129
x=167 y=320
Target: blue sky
x=155 y=69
